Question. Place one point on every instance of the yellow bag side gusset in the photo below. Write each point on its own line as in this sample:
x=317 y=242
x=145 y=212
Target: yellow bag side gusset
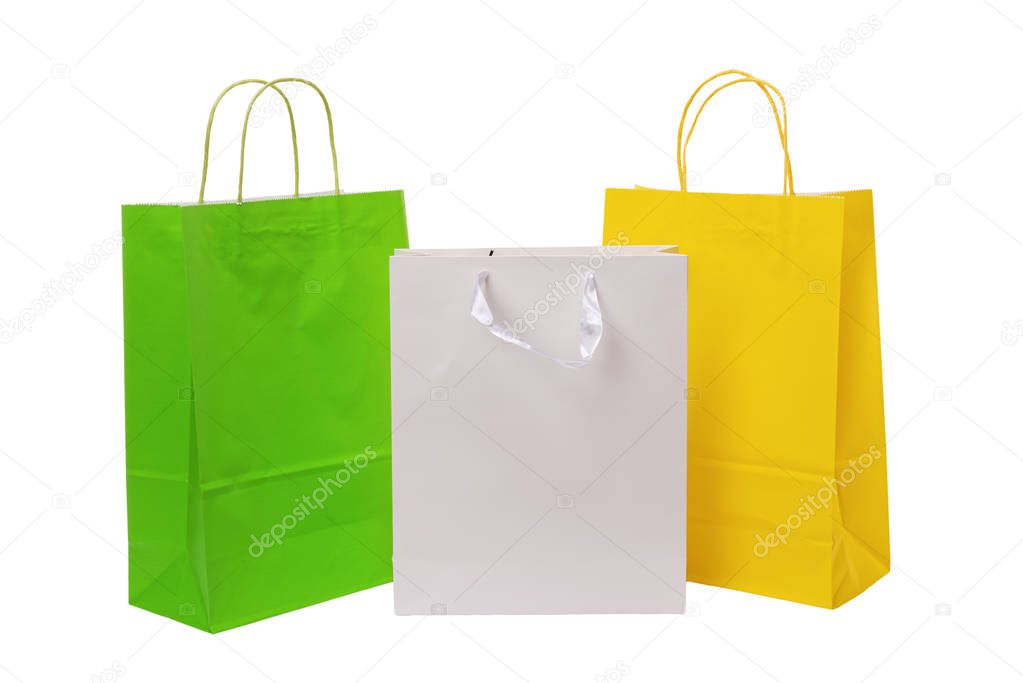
x=861 y=518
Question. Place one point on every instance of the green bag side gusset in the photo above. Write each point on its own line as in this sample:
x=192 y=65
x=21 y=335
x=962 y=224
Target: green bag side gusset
x=165 y=556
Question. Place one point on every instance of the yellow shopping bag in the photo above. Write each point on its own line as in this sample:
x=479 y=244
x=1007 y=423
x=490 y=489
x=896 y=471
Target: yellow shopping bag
x=787 y=493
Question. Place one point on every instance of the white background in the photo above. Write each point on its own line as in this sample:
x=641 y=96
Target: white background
x=105 y=103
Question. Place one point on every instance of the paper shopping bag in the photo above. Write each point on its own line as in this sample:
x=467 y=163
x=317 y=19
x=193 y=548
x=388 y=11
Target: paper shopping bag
x=257 y=400
x=539 y=452
x=787 y=473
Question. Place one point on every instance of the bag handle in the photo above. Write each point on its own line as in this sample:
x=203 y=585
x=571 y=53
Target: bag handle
x=209 y=129
x=787 y=187
x=781 y=122
x=591 y=323
x=764 y=87
x=330 y=129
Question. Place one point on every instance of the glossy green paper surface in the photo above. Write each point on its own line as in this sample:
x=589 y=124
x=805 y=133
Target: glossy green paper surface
x=257 y=391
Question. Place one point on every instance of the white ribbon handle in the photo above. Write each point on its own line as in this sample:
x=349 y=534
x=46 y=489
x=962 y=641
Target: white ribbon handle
x=591 y=323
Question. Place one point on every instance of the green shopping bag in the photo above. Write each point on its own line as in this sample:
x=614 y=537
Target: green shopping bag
x=257 y=398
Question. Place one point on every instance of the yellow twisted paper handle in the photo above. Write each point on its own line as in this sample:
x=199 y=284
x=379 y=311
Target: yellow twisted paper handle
x=781 y=122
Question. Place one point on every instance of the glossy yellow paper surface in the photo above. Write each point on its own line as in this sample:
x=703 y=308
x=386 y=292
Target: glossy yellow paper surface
x=787 y=493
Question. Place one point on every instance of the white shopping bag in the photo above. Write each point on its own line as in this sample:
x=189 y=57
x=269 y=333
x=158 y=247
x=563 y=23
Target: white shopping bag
x=539 y=430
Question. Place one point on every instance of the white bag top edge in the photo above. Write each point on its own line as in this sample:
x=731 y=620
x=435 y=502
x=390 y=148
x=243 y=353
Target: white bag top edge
x=541 y=252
